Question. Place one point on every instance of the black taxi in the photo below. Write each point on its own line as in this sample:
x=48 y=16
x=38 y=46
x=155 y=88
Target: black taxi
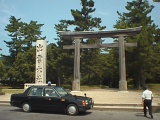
x=52 y=98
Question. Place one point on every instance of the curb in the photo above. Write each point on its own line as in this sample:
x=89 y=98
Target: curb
x=4 y=103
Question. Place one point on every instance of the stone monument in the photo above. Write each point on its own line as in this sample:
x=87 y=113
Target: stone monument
x=40 y=70
x=40 y=76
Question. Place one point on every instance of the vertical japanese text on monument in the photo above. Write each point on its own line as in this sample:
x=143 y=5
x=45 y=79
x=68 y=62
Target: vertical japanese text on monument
x=39 y=62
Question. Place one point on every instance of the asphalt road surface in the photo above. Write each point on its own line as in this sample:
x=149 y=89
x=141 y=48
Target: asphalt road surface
x=13 y=113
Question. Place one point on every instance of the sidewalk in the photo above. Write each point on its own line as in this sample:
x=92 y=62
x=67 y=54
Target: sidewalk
x=102 y=96
x=109 y=99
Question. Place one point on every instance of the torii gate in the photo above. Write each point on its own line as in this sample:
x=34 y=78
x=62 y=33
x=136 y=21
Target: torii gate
x=120 y=34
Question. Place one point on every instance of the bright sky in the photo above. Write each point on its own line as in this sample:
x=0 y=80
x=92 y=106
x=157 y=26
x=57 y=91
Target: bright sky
x=49 y=12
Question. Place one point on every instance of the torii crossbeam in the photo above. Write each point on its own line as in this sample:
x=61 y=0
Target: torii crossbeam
x=120 y=34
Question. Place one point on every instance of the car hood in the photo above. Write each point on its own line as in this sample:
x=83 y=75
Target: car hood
x=79 y=97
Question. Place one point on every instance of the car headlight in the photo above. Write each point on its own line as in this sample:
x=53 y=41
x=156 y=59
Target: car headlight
x=84 y=102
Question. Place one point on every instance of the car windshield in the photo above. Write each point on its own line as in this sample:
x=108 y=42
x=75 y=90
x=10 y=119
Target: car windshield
x=62 y=91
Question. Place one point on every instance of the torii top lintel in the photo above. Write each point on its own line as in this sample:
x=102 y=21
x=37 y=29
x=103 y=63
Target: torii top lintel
x=100 y=34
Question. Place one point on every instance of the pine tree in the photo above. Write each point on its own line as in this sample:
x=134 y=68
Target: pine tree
x=31 y=33
x=90 y=58
x=138 y=15
x=156 y=0
x=2 y=71
x=14 y=29
x=23 y=69
x=22 y=37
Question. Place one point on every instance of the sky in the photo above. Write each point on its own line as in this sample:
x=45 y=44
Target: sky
x=50 y=12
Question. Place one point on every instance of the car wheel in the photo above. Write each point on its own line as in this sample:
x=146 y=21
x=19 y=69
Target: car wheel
x=26 y=107
x=72 y=109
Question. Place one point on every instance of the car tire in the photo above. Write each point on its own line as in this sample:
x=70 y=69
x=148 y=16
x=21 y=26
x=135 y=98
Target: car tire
x=26 y=107
x=72 y=109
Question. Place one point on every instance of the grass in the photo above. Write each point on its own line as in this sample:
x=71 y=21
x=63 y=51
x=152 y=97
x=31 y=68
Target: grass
x=154 y=87
x=12 y=91
x=85 y=87
x=93 y=87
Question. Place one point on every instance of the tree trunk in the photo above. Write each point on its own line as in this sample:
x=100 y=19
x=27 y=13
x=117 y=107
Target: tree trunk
x=142 y=76
x=111 y=83
x=59 y=81
x=137 y=82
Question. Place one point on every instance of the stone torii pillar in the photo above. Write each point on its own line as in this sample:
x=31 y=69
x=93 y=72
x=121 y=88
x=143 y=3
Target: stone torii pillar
x=40 y=68
x=120 y=34
x=122 y=65
x=76 y=81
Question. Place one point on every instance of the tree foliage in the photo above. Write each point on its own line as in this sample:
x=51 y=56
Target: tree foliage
x=90 y=58
x=3 y=71
x=156 y=0
x=142 y=62
x=140 y=59
x=21 y=61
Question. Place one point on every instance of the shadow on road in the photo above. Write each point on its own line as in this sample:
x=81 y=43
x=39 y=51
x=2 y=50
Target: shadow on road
x=139 y=114
x=51 y=112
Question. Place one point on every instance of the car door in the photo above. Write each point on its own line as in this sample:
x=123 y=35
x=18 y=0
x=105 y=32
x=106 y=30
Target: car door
x=53 y=101
x=36 y=98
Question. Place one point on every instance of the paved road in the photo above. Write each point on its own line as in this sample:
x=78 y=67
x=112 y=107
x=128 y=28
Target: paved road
x=13 y=113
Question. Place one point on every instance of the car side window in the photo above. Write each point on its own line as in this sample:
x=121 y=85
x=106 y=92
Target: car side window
x=50 y=92
x=36 y=92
